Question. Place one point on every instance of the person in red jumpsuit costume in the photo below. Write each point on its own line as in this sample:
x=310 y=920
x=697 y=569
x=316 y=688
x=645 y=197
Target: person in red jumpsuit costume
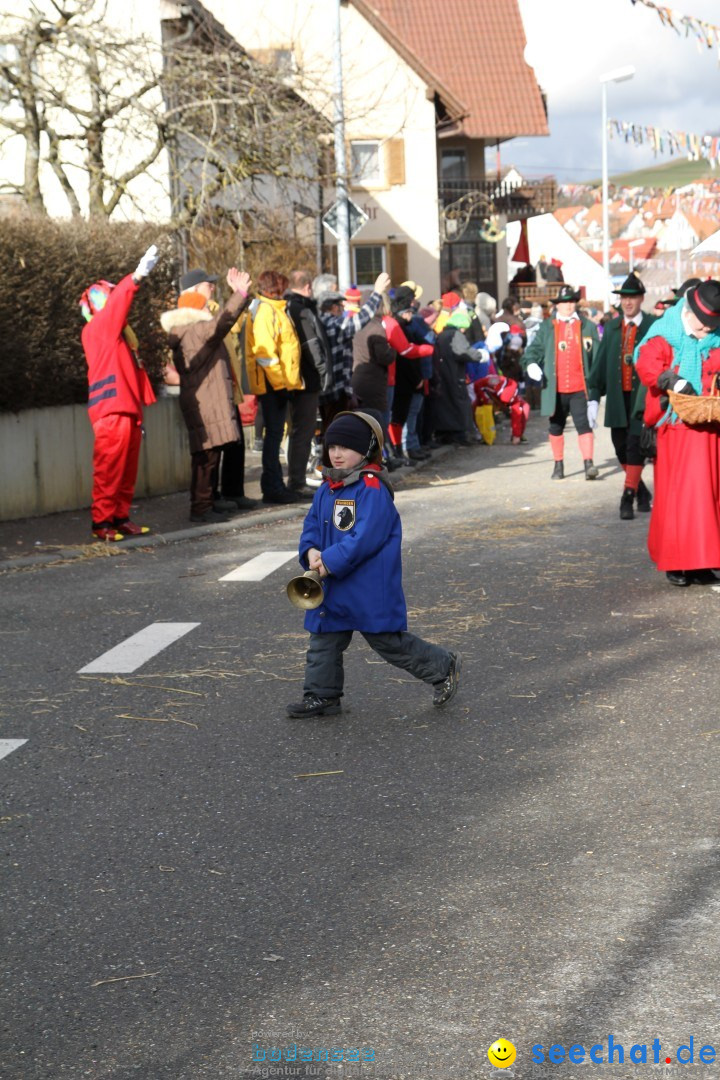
x=118 y=387
x=498 y=389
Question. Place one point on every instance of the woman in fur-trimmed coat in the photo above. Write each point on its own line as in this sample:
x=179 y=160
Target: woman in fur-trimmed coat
x=200 y=355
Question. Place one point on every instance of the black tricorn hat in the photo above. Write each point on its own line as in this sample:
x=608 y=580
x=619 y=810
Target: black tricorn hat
x=567 y=295
x=631 y=286
x=704 y=302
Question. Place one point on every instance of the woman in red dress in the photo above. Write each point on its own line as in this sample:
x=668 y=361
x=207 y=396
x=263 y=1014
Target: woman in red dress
x=681 y=352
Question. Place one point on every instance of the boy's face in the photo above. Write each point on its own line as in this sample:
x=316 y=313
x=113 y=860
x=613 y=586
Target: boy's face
x=343 y=458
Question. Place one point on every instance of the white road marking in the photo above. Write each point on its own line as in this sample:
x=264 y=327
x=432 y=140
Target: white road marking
x=131 y=654
x=8 y=745
x=261 y=566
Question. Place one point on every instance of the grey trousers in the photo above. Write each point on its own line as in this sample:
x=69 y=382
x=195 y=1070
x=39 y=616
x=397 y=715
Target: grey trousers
x=301 y=421
x=324 y=674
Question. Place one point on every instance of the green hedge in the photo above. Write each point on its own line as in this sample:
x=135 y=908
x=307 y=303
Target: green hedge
x=45 y=266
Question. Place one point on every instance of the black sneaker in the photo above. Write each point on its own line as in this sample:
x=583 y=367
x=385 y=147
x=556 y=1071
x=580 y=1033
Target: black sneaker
x=626 y=505
x=558 y=472
x=312 y=705
x=677 y=577
x=447 y=689
x=591 y=471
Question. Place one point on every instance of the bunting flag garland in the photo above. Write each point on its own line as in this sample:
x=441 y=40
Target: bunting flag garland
x=706 y=34
x=664 y=141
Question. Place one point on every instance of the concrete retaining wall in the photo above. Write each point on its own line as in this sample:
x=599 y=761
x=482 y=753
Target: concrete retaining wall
x=46 y=458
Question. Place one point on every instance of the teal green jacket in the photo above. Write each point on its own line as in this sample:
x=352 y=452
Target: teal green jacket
x=606 y=377
x=542 y=351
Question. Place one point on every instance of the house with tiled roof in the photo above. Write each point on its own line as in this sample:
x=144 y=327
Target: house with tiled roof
x=572 y=218
x=428 y=88
x=684 y=230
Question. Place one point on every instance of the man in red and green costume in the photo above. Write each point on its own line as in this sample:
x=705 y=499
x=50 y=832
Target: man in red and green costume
x=560 y=357
x=614 y=374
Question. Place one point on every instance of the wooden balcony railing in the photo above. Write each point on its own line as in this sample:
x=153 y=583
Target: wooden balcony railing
x=530 y=198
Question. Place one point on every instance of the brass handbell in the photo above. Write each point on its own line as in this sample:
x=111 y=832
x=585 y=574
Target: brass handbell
x=306 y=591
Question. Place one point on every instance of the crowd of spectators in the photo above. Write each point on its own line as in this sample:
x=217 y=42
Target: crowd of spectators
x=430 y=369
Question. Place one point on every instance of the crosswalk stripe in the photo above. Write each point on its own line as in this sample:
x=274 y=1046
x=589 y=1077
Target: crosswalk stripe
x=260 y=567
x=8 y=745
x=131 y=654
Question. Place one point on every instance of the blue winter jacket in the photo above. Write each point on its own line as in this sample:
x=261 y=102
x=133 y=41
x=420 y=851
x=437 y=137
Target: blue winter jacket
x=358 y=531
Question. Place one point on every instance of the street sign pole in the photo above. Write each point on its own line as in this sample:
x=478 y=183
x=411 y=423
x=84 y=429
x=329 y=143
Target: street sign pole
x=341 y=186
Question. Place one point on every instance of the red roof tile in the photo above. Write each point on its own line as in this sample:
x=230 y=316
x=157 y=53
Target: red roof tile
x=567 y=213
x=472 y=59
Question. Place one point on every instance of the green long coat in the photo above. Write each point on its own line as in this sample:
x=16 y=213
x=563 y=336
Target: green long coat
x=542 y=351
x=606 y=377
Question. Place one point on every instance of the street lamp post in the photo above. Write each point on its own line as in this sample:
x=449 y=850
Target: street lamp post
x=631 y=259
x=617 y=75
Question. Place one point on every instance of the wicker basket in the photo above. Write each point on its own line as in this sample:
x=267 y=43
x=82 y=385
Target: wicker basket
x=697 y=410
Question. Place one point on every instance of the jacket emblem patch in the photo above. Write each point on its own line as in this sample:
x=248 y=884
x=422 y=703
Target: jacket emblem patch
x=344 y=514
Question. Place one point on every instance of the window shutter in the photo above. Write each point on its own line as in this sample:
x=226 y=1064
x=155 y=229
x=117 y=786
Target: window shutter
x=395 y=161
x=398 y=263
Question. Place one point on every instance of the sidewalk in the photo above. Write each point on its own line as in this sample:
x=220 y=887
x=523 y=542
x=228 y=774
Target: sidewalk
x=58 y=537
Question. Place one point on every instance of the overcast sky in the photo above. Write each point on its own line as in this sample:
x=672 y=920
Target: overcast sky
x=572 y=42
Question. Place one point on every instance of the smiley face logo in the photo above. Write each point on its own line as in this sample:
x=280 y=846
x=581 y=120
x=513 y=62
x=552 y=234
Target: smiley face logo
x=501 y=1054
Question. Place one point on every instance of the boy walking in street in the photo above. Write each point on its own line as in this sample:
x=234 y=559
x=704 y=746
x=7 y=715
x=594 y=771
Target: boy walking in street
x=352 y=538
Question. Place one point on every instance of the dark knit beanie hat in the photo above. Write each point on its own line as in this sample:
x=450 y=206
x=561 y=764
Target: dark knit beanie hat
x=349 y=431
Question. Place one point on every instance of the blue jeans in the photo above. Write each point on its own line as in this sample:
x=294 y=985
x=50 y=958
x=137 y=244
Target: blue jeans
x=274 y=406
x=412 y=441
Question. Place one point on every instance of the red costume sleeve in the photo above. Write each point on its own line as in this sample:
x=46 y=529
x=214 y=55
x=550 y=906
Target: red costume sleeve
x=117 y=308
x=654 y=356
x=398 y=341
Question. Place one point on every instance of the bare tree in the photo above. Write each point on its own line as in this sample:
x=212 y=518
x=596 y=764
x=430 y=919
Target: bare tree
x=100 y=110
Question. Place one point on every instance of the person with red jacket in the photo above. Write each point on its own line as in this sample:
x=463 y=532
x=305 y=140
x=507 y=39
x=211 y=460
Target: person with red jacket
x=118 y=387
x=681 y=352
x=498 y=389
x=407 y=376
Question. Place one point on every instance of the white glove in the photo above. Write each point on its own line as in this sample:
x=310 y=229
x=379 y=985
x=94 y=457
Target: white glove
x=147 y=263
x=535 y=372
x=592 y=412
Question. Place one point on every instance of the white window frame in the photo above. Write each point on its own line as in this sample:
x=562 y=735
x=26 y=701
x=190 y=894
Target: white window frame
x=355 y=248
x=377 y=179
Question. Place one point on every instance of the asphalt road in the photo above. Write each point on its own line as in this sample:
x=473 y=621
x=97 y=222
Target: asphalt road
x=539 y=862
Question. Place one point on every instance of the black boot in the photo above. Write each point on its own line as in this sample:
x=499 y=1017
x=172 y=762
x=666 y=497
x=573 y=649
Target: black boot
x=314 y=705
x=644 y=499
x=677 y=577
x=591 y=471
x=558 y=472
x=626 y=505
